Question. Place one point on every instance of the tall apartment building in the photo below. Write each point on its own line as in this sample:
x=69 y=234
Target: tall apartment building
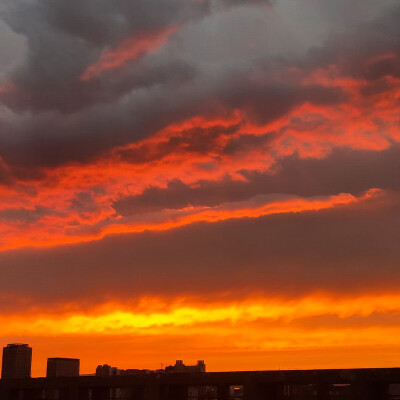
x=57 y=367
x=17 y=361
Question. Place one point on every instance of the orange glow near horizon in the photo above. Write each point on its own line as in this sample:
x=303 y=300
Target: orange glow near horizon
x=314 y=325
x=124 y=320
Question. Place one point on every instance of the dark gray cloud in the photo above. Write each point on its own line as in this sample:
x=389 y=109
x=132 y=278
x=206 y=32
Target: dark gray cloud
x=10 y=176
x=12 y=49
x=48 y=140
x=264 y=101
x=5 y=178
x=344 y=171
x=370 y=52
x=84 y=202
x=350 y=249
x=24 y=215
x=73 y=95
x=64 y=38
x=71 y=120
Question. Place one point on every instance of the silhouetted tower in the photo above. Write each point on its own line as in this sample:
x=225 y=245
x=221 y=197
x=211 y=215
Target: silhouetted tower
x=17 y=361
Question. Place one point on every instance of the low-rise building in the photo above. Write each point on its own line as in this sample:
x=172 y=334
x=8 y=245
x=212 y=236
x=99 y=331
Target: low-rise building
x=62 y=367
x=107 y=370
x=180 y=367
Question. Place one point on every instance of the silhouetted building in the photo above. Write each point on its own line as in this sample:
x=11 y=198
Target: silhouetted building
x=58 y=367
x=17 y=361
x=133 y=371
x=181 y=367
x=107 y=370
x=115 y=392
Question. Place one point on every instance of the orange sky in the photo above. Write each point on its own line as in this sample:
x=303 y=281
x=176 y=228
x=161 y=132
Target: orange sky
x=318 y=331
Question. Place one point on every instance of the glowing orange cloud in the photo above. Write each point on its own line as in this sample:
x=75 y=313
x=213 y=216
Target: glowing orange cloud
x=44 y=234
x=121 y=321
x=307 y=131
x=129 y=50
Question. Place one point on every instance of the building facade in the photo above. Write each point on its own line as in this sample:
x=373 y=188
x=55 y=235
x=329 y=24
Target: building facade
x=62 y=367
x=17 y=361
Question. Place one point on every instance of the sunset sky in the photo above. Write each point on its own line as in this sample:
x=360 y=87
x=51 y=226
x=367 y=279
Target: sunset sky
x=201 y=179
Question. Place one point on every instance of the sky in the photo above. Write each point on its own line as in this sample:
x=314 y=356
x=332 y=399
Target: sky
x=201 y=179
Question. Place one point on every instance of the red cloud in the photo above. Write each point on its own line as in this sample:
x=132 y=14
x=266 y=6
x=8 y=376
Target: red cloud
x=200 y=148
x=129 y=50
